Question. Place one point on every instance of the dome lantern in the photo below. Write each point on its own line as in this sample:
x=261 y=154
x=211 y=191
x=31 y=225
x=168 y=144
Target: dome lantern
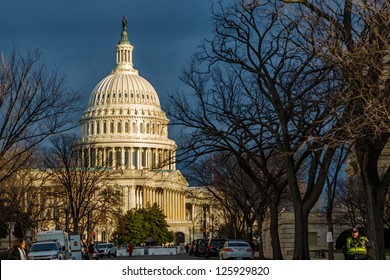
x=124 y=52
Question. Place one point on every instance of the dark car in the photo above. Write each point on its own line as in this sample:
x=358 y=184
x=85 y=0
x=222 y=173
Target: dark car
x=213 y=247
x=200 y=247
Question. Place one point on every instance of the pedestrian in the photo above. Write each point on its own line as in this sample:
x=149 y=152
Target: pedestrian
x=187 y=248
x=17 y=251
x=130 y=249
x=357 y=246
x=91 y=250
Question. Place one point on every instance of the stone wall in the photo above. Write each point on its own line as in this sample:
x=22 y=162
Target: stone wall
x=318 y=231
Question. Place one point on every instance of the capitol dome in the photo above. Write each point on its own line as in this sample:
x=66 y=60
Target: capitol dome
x=124 y=119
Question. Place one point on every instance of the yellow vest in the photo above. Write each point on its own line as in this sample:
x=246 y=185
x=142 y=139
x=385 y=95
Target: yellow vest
x=357 y=246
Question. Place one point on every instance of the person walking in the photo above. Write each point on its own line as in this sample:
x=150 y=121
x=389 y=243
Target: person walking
x=130 y=249
x=18 y=250
x=91 y=250
x=357 y=246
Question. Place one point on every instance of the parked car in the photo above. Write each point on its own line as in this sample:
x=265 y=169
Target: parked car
x=48 y=250
x=200 y=247
x=105 y=250
x=233 y=249
x=213 y=247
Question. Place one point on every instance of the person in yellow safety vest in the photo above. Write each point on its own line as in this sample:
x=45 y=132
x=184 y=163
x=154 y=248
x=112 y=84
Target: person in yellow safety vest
x=357 y=246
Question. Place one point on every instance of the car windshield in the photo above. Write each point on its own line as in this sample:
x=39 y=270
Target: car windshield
x=216 y=243
x=101 y=246
x=44 y=247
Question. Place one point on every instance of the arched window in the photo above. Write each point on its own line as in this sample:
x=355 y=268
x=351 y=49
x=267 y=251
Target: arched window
x=147 y=128
x=112 y=127
x=135 y=158
x=143 y=158
x=118 y=158
x=109 y=158
x=126 y=157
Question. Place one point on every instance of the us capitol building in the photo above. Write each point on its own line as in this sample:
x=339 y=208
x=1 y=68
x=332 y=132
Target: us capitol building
x=128 y=128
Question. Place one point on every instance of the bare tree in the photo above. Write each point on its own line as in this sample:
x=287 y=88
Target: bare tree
x=84 y=178
x=263 y=99
x=353 y=36
x=34 y=104
x=233 y=189
x=21 y=199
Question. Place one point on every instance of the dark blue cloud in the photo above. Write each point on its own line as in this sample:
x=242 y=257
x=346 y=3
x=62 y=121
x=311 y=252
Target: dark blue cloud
x=80 y=37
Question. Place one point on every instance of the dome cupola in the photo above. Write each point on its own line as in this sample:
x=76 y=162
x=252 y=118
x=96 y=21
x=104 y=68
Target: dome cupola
x=124 y=85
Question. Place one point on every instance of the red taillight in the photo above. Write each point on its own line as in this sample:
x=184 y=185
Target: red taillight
x=249 y=250
x=228 y=249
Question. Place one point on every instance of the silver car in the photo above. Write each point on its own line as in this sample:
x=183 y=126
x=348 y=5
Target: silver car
x=49 y=250
x=105 y=250
x=233 y=249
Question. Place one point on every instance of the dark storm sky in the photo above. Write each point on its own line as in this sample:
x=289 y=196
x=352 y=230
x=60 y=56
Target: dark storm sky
x=79 y=36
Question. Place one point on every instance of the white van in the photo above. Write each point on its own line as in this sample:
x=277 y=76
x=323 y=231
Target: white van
x=56 y=235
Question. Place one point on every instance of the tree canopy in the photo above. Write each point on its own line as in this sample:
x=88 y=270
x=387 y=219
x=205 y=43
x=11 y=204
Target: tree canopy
x=146 y=222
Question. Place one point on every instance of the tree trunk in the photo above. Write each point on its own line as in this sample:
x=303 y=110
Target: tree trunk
x=368 y=153
x=275 y=241
x=330 y=229
x=260 y=234
x=329 y=212
x=301 y=239
x=375 y=227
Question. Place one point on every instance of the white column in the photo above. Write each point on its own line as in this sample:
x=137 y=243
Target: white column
x=123 y=157
x=131 y=163
x=132 y=198
x=138 y=158
x=165 y=198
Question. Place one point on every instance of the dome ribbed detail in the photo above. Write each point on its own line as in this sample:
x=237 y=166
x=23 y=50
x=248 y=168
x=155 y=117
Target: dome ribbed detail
x=124 y=88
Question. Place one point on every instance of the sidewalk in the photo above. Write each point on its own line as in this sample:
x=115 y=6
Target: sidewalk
x=337 y=256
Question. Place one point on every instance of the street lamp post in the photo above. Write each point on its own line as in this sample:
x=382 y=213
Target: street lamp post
x=89 y=228
x=56 y=216
x=212 y=225
x=67 y=218
x=204 y=220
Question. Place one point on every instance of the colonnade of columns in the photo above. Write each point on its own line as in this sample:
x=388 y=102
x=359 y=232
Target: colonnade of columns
x=171 y=201
x=129 y=157
x=97 y=127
